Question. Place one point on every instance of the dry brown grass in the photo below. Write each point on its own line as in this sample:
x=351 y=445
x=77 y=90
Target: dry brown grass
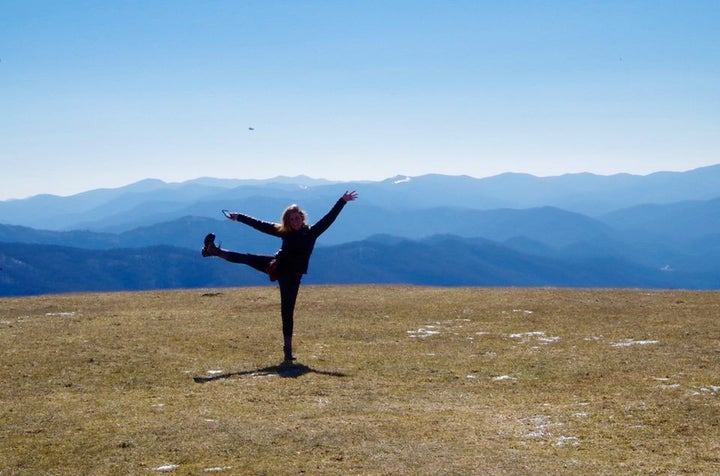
x=392 y=380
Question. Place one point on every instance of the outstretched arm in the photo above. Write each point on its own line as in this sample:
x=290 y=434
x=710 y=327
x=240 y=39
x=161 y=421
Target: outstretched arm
x=263 y=226
x=325 y=222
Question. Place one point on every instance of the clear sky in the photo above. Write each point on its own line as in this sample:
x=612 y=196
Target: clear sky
x=102 y=93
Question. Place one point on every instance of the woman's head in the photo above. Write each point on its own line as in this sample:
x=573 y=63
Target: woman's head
x=293 y=218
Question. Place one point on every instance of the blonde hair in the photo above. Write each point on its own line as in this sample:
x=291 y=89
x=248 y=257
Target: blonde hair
x=284 y=225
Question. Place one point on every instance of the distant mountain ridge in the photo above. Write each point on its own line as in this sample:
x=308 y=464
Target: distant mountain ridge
x=150 y=201
x=509 y=230
x=443 y=260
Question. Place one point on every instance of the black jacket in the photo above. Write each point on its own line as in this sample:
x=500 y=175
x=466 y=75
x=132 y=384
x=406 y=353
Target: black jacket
x=297 y=245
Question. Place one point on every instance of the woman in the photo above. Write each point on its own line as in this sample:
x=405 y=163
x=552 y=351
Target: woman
x=290 y=262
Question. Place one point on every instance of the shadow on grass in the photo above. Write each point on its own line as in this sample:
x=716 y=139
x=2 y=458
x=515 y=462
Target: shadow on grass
x=283 y=370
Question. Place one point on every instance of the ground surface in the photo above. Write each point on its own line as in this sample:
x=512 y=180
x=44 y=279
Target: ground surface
x=389 y=380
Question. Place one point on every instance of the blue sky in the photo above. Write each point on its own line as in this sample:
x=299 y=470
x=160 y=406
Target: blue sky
x=98 y=94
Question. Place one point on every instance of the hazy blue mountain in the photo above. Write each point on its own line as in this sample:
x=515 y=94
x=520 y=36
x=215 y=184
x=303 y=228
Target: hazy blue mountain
x=548 y=225
x=544 y=232
x=142 y=202
x=453 y=261
x=52 y=212
x=443 y=260
x=660 y=230
x=595 y=195
x=682 y=220
x=31 y=270
x=152 y=201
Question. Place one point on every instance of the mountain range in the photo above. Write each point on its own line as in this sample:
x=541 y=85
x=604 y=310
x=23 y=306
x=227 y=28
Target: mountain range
x=655 y=231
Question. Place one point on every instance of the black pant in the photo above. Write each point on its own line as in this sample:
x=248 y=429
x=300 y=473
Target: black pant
x=289 y=285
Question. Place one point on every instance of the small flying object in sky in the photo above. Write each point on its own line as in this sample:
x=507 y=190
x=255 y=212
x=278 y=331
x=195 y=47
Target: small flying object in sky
x=251 y=128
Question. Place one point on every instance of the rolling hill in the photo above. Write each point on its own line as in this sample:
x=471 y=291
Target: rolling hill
x=423 y=230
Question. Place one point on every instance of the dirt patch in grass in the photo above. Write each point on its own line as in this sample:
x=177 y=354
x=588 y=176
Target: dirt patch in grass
x=390 y=380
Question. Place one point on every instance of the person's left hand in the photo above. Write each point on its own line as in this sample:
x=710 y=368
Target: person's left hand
x=350 y=196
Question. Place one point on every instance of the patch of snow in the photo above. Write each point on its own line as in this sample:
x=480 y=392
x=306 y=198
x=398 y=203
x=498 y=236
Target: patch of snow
x=60 y=314
x=630 y=342
x=402 y=180
x=541 y=427
x=567 y=440
x=524 y=311
x=167 y=467
x=501 y=378
x=538 y=336
x=526 y=334
x=218 y=469
x=548 y=340
x=214 y=372
x=670 y=386
x=423 y=332
x=540 y=424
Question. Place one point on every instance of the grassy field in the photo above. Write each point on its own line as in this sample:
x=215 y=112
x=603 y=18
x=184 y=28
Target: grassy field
x=390 y=380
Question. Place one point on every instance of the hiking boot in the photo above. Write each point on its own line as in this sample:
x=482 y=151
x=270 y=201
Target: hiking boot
x=209 y=248
x=272 y=270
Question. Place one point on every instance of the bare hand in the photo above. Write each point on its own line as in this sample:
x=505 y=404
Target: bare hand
x=350 y=196
x=230 y=215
